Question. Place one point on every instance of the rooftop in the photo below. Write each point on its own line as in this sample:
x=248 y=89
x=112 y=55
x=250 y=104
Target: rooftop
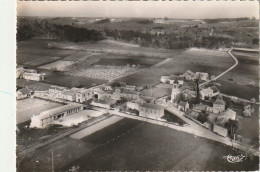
x=174 y=77
x=32 y=74
x=200 y=107
x=60 y=109
x=220 y=102
x=151 y=106
x=105 y=101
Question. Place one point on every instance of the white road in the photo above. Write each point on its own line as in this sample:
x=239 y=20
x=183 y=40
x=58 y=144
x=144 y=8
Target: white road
x=226 y=71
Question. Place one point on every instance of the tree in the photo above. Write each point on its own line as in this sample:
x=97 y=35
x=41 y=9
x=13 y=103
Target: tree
x=232 y=127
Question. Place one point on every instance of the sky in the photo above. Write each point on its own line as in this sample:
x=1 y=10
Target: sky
x=146 y=9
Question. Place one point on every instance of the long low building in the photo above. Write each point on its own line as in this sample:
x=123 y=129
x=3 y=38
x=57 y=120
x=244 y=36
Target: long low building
x=47 y=117
x=33 y=76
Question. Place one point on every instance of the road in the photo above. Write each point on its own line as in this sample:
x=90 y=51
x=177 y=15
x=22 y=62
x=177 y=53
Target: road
x=226 y=71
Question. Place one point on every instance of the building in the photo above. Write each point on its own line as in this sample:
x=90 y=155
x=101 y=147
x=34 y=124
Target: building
x=189 y=75
x=176 y=79
x=33 y=76
x=82 y=94
x=165 y=79
x=230 y=114
x=131 y=87
x=23 y=93
x=175 y=92
x=47 y=117
x=220 y=130
x=183 y=106
x=132 y=105
x=151 y=111
x=107 y=103
x=200 y=108
x=202 y=76
x=219 y=106
x=206 y=93
x=125 y=93
x=64 y=93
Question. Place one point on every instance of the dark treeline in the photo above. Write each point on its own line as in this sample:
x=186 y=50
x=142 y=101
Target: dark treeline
x=28 y=29
x=181 y=40
x=157 y=36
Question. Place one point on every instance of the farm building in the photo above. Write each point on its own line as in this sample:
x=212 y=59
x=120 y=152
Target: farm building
x=206 y=93
x=127 y=94
x=131 y=87
x=220 y=130
x=82 y=94
x=200 y=108
x=188 y=75
x=172 y=79
x=23 y=93
x=151 y=111
x=219 y=106
x=132 y=105
x=47 y=117
x=230 y=114
x=183 y=106
x=165 y=79
x=176 y=79
x=62 y=93
x=33 y=76
x=202 y=76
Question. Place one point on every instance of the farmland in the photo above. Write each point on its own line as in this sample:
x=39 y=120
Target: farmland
x=36 y=52
x=180 y=63
x=127 y=144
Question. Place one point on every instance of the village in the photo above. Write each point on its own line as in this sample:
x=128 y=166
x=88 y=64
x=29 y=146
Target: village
x=203 y=105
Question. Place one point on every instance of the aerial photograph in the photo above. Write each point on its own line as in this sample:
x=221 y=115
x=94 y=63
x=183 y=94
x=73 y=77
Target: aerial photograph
x=137 y=86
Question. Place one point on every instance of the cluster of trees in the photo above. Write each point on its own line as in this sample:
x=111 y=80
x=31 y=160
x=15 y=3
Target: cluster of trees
x=183 y=39
x=146 y=33
x=27 y=29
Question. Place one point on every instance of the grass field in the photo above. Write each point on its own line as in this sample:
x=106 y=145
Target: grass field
x=36 y=52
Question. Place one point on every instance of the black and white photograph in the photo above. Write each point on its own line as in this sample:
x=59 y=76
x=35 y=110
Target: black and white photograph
x=137 y=86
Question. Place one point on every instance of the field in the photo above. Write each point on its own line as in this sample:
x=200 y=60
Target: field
x=57 y=65
x=33 y=85
x=212 y=64
x=122 y=60
x=135 y=145
x=26 y=108
x=61 y=79
x=243 y=81
x=104 y=72
x=36 y=53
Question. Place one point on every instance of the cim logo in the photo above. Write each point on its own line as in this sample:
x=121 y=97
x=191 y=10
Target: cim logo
x=234 y=159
